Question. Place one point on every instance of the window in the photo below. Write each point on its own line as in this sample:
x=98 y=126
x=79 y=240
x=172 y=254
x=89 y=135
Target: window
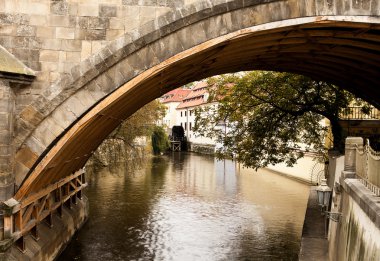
x=181 y=124
x=185 y=113
x=190 y=126
x=190 y=113
x=185 y=125
x=181 y=115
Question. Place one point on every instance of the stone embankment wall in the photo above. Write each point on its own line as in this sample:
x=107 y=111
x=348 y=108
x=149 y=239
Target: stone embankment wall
x=307 y=170
x=357 y=234
x=201 y=148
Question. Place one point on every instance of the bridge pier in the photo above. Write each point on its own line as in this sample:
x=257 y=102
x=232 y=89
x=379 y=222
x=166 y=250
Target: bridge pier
x=7 y=109
x=13 y=74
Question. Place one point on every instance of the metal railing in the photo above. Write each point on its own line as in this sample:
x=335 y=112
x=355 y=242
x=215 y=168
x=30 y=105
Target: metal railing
x=368 y=167
x=22 y=218
x=356 y=113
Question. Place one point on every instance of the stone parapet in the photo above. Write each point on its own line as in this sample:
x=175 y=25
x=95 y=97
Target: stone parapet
x=352 y=143
x=356 y=236
x=367 y=200
x=201 y=148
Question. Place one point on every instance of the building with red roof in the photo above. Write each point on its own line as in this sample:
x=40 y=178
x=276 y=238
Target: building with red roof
x=198 y=97
x=181 y=104
x=171 y=100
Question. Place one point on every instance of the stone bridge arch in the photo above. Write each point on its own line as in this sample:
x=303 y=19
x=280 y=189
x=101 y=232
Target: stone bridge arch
x=332 y=40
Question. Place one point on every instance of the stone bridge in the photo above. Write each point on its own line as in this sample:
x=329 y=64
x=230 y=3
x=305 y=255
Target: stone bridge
x=71 y=71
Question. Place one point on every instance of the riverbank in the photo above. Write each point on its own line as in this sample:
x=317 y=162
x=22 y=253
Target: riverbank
x=307 y=170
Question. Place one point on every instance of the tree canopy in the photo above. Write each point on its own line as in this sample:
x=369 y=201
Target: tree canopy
x=141 y=123
x=120 y=144
x=271 y=117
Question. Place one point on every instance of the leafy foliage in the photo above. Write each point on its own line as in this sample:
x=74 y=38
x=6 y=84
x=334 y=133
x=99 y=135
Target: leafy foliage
x=141 y=123
x=120 y=143
x=160 y=142
x=271 y=117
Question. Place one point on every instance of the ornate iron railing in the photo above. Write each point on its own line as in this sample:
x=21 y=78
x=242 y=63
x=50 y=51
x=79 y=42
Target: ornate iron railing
x=356 y=113
x=368 y=167
x=22 y=218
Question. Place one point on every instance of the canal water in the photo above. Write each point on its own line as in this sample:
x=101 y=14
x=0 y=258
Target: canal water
x=187 y=206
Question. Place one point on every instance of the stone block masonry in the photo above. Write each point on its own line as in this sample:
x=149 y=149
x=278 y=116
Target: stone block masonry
x=51 y=37
x=6 y=134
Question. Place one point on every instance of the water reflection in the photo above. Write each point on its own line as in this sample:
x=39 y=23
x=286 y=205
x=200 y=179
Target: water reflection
x=190 y=207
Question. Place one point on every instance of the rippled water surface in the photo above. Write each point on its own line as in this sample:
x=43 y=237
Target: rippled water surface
x=190 y=207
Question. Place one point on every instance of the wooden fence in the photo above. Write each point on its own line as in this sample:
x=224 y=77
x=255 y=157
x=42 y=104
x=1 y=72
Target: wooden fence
x=22 y=218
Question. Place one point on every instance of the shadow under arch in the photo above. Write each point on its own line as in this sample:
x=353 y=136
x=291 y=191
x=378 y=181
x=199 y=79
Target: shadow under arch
x=343 y=50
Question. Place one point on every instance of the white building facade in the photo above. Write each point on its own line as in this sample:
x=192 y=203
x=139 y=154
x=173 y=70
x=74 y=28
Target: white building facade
x=171 y=100
x=197 y=98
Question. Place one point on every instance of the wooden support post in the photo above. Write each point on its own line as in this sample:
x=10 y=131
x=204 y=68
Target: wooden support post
x=79 y=194
x=67 y=187
x=49 y=220
x=60 y=208
x=9 y=207
x=68 y=203
x=57 y=197
x=34 y=233
x=20 y=244
x=60 y=211
x=8 y=226
x=74 y=199
x=83 y=178
x=18 y=221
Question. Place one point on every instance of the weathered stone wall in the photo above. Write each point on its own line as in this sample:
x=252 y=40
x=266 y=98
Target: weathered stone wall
x=7 y=105
x=357 y=235
x=201 y=148
x=51 y=36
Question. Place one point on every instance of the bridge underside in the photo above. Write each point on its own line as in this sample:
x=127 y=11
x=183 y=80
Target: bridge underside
x=344 y=53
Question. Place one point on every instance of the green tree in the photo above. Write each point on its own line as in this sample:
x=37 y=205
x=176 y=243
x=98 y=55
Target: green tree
x=271 y=117
x=141 y=123
x=160 y=142
x=121 y=141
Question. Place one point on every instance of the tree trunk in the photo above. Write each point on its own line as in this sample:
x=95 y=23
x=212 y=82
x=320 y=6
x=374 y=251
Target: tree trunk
x=337 y=134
